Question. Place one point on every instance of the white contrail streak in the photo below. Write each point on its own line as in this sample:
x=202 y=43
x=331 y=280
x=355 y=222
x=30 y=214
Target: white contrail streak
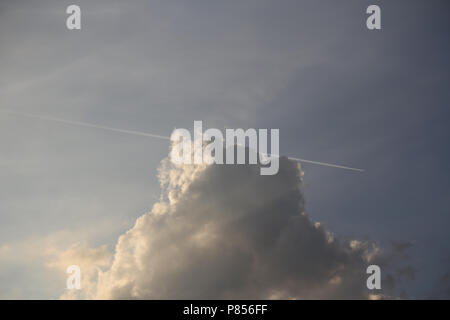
x=326 y=164
x=85 y=124
x=146 y=134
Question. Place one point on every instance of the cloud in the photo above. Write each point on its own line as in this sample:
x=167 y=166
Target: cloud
x=225 y=231
x=90 y=260
x=35 y=267
x=399 y=247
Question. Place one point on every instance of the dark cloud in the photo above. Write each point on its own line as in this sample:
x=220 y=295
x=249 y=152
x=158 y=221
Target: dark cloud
x=399 y=247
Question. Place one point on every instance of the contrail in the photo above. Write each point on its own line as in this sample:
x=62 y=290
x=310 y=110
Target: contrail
x=325 y=164
x=85 y=124
x=146 y=134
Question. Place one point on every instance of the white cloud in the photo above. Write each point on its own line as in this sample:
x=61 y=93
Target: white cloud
x=224 y=231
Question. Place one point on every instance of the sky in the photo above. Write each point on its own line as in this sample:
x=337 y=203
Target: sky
x=338 y=93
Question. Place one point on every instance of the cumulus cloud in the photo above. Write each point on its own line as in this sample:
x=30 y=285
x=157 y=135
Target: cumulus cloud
x=225 y=231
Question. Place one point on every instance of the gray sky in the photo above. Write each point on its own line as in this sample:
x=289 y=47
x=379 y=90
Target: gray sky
x=338 y=92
